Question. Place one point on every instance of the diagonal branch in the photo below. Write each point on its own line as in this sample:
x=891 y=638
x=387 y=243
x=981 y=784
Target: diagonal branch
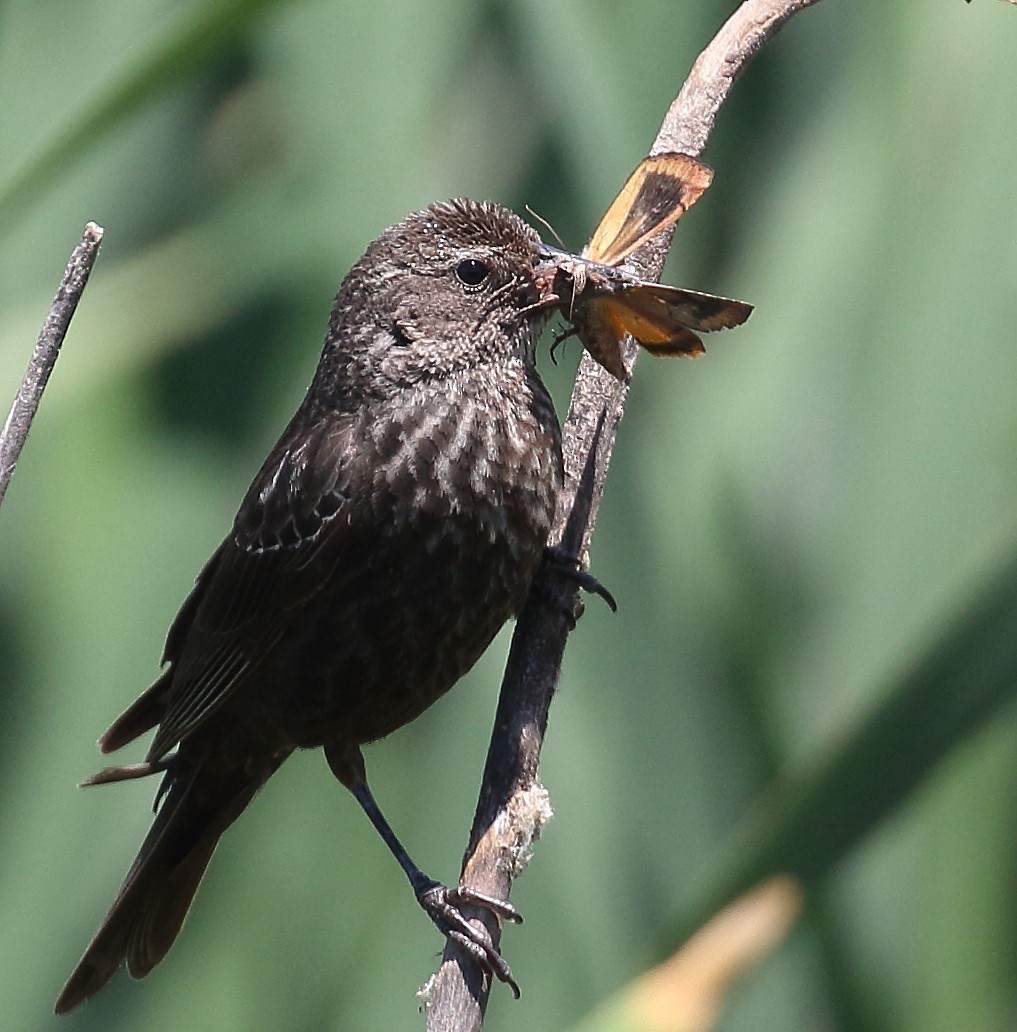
x=513 y=806
x=47 y=350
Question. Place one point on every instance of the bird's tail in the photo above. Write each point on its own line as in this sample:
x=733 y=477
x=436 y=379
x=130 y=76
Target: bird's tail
x=200 y=801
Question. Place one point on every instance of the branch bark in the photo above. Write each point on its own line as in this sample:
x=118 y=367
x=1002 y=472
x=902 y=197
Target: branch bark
x=47 y=350
x=512 y=805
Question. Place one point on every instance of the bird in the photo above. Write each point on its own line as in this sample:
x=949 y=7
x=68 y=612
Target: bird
x=394 y=528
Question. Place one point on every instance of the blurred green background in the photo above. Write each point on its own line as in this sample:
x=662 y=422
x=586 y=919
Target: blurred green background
x=790 y=523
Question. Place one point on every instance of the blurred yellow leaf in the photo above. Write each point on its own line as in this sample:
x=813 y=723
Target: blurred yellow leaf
x=688 y=991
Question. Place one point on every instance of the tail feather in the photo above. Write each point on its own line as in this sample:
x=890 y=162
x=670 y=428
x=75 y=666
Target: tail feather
x=156 y=927
x=142 y=715
x=153 y=901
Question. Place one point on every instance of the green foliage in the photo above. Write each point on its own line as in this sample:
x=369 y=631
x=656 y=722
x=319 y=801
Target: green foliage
x=810 y=530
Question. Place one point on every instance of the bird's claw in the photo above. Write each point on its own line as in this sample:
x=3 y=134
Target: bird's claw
x=443 y=905
x=572 y=568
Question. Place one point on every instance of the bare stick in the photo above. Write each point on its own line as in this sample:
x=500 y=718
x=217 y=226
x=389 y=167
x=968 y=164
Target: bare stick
x=512 y=806
x=47 y=349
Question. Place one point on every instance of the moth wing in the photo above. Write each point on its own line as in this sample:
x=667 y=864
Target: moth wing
x=649 y=324
x=655 y=196
x=690 y=308
x=601 y=336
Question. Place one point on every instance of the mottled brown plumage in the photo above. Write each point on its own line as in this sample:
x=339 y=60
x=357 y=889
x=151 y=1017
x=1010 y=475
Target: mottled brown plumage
x=391 y=532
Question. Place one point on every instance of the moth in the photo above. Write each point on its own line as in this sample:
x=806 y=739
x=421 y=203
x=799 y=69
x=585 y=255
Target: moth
x=604 y=302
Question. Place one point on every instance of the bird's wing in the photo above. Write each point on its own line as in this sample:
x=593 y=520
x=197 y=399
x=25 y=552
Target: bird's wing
x=285 y=543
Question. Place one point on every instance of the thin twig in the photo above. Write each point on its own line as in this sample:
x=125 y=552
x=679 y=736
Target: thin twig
x=47 y=349
x=512 y=806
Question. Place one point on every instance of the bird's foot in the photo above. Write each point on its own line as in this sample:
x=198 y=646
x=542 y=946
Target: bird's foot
x=570 y=567
x=444 y=906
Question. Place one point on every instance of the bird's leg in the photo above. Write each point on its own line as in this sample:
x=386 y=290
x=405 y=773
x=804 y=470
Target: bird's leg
x=443 y=904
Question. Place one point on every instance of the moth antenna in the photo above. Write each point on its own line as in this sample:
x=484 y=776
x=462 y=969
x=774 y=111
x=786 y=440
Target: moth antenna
x=547 y=225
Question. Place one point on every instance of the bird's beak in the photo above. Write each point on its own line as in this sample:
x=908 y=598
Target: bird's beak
x=561 y=278
x=547 y=276
x=558 y=278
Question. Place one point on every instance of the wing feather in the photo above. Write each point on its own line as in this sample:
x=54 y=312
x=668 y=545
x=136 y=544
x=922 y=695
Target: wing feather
x=263 y=573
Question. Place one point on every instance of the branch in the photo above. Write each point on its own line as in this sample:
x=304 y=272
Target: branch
x=513 y=806
x=47 y=349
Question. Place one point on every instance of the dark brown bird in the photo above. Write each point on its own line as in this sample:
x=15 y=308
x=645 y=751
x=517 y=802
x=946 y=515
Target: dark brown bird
x=394 y=528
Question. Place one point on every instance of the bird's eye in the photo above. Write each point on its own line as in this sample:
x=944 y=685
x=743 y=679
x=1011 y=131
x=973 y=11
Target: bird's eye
x=471 y=272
